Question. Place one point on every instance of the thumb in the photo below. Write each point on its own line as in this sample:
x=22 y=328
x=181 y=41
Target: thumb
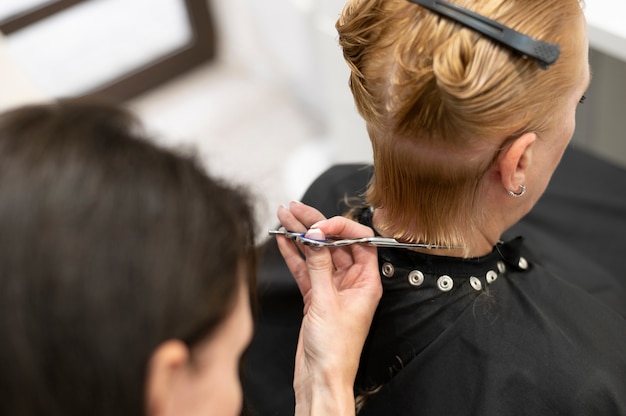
x=319 y=261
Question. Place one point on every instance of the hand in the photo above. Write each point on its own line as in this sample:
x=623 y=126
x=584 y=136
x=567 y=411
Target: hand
x=341 y=289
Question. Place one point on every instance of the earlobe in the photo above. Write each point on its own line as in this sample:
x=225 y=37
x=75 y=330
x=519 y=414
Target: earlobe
x=515 y=161
x=166 y=365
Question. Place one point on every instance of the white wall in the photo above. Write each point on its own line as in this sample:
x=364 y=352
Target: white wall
x=15 y=87
x=292 y=44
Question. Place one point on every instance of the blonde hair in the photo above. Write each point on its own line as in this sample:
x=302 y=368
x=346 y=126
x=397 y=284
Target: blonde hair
x=435 y=96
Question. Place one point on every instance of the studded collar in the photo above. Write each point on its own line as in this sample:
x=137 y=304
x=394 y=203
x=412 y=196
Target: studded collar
x=421 y=270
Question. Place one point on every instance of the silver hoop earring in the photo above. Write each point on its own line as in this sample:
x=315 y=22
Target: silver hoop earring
x=520 y=194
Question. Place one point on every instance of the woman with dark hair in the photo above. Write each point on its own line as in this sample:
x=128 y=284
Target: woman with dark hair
x=125 y=274
x=469 y=106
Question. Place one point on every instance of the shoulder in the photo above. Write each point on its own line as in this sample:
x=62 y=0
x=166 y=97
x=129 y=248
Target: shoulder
x=578 y=227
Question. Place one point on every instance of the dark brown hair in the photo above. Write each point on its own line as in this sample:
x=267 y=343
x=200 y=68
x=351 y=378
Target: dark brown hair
x=109 y=245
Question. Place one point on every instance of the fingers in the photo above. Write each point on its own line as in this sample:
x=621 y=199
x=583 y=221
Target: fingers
x=346 y=228
x=316 y=272
x=298 y=217
x=289 y=221
x=324 y=269
x=343 y=227
x=319 y=263
x=295 y=263
x=305 y=214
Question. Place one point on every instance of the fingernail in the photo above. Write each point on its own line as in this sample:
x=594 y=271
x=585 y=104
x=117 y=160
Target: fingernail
x=315 y=234
x=294 y=202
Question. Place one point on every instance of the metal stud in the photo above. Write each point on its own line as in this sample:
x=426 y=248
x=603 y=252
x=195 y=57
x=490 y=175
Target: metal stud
x=388 y=270
x=416 y=278
x=476 y=283
x=501 y=266
x=491 y=276
x=445 y=283
x=523 y=263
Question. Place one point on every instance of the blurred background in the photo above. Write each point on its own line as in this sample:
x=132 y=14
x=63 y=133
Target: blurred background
x=257 y=88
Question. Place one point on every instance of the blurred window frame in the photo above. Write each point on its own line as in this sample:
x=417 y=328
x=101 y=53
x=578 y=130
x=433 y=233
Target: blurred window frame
x=200 y=49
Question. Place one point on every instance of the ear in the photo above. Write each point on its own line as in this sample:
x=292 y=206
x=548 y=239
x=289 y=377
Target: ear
x=166 y=366
x=514 y=161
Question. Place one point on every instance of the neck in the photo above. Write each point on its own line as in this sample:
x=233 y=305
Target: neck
x=478 y=243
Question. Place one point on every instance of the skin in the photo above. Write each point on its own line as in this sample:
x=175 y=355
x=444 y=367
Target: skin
x=532 y=159
x=205 y=381
x=341 y=289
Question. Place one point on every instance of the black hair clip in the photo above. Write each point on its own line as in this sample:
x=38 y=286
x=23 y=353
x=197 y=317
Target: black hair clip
x=545 y=54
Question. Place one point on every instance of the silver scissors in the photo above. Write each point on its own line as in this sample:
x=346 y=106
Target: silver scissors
x=334 y=241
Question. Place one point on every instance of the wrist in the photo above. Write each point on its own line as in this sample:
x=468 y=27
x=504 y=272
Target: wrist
x=324 y=394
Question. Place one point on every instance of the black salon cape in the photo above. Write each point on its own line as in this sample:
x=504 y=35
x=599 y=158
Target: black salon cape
x=546 y=340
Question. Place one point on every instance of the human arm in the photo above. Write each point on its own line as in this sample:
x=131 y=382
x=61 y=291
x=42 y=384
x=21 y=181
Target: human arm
x=341 y=289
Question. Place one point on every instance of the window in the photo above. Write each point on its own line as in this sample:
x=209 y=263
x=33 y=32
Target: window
x=112 y=49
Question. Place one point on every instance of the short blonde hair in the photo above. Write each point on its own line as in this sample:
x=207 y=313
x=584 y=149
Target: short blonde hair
x=434 y=93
